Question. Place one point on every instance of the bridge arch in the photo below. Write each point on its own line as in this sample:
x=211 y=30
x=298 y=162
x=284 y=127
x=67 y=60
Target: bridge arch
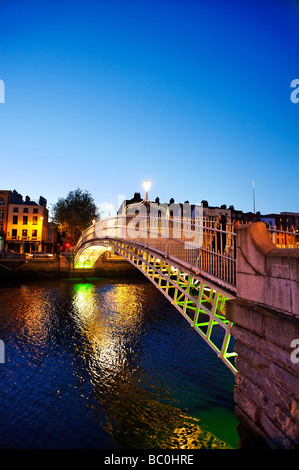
x=173 y=258
x=172 y=255
x=265 y=312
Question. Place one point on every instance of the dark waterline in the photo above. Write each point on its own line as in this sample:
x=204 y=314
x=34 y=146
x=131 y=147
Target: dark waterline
x=109 y=365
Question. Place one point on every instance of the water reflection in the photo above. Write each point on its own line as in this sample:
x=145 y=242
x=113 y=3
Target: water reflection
x=139 y=412
x=97 y=364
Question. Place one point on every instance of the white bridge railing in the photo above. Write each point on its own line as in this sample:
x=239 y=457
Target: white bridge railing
x=199 y=244
x=205 y=246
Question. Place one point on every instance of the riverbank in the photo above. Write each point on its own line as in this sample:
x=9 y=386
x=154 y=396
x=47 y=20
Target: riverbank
x=61 y=267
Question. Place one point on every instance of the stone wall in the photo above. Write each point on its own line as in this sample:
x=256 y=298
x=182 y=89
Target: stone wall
x=63 y=267
x=266 y=321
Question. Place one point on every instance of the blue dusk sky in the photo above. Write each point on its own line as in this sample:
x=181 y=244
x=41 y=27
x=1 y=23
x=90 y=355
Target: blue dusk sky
x=192 y=95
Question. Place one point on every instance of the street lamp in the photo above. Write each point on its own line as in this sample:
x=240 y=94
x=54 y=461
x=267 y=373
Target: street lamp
x=146 y=186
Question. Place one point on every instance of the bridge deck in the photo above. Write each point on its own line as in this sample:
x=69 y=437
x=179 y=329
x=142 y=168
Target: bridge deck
x=192 y=262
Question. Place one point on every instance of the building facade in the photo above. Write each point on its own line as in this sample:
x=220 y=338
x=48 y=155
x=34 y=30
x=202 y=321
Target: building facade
x=27 y=224
x=4 y=203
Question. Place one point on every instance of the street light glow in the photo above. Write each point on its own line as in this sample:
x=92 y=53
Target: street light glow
x=146 y=186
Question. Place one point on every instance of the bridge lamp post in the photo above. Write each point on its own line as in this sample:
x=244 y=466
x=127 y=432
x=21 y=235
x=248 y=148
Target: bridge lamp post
x=146 y=186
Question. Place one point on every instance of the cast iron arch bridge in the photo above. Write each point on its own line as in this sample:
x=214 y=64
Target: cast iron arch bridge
x=190 y=260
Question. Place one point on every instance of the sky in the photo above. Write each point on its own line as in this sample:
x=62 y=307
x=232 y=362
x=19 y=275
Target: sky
x=194 y=96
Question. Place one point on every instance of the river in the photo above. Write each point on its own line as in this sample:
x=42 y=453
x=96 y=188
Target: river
x=107 y=364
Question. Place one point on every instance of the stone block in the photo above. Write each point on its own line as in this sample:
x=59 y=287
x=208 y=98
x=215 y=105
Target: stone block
x=284 y=378
x=278 y=267
x=278 y=293
x=254 y=358
x=250 y=287
x=281 y=329
x=247 y=406
x=295 y=298
x=246 y=315
x=244 y=336
x=287 y=425
x=294 y=265
x=257 y=396
x=294 y=409
x=252 y=257
x=277 y=393
x=251 y=435
x=277 y=354
x=278 y=439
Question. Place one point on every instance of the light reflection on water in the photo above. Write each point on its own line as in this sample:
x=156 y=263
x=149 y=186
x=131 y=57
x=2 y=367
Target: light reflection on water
x=108 y=364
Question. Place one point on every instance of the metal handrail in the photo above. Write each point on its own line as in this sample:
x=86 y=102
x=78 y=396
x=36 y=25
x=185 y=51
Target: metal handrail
x=199 y=254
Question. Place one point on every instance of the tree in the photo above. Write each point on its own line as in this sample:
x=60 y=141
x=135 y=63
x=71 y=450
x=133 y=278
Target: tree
x=74 y=214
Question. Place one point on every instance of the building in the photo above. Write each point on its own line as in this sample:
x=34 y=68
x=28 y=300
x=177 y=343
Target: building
x=26 y=227
x=177 y=210
x=4 y=203
x=213 y=212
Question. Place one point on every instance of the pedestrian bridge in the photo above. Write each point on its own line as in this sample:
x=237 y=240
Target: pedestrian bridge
x=191 y=260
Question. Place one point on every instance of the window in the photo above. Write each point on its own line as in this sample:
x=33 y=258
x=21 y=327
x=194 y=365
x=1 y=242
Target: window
x=35 y=210
x=25 y=210
x=24 y=233
x=25 y=219
x=1 y=201
x=1 y=214
x=34 y=220
x=14 y=233
x=15 y=209
x=34 y=233
x=15 y=219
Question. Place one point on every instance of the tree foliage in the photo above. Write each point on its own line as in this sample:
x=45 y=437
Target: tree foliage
x=74 y=214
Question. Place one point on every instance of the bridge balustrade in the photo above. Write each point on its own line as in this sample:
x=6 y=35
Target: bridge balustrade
x=199 y=244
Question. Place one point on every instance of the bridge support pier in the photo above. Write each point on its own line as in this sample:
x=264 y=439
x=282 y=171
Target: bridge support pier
x=266 y=331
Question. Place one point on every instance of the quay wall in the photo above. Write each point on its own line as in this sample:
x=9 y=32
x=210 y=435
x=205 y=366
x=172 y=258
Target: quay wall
x=265 y=318
x=62 y=268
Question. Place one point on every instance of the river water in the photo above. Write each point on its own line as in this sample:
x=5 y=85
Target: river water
x=107 y=364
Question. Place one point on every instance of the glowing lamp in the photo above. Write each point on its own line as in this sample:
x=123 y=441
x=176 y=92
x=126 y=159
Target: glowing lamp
x=146 y=186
